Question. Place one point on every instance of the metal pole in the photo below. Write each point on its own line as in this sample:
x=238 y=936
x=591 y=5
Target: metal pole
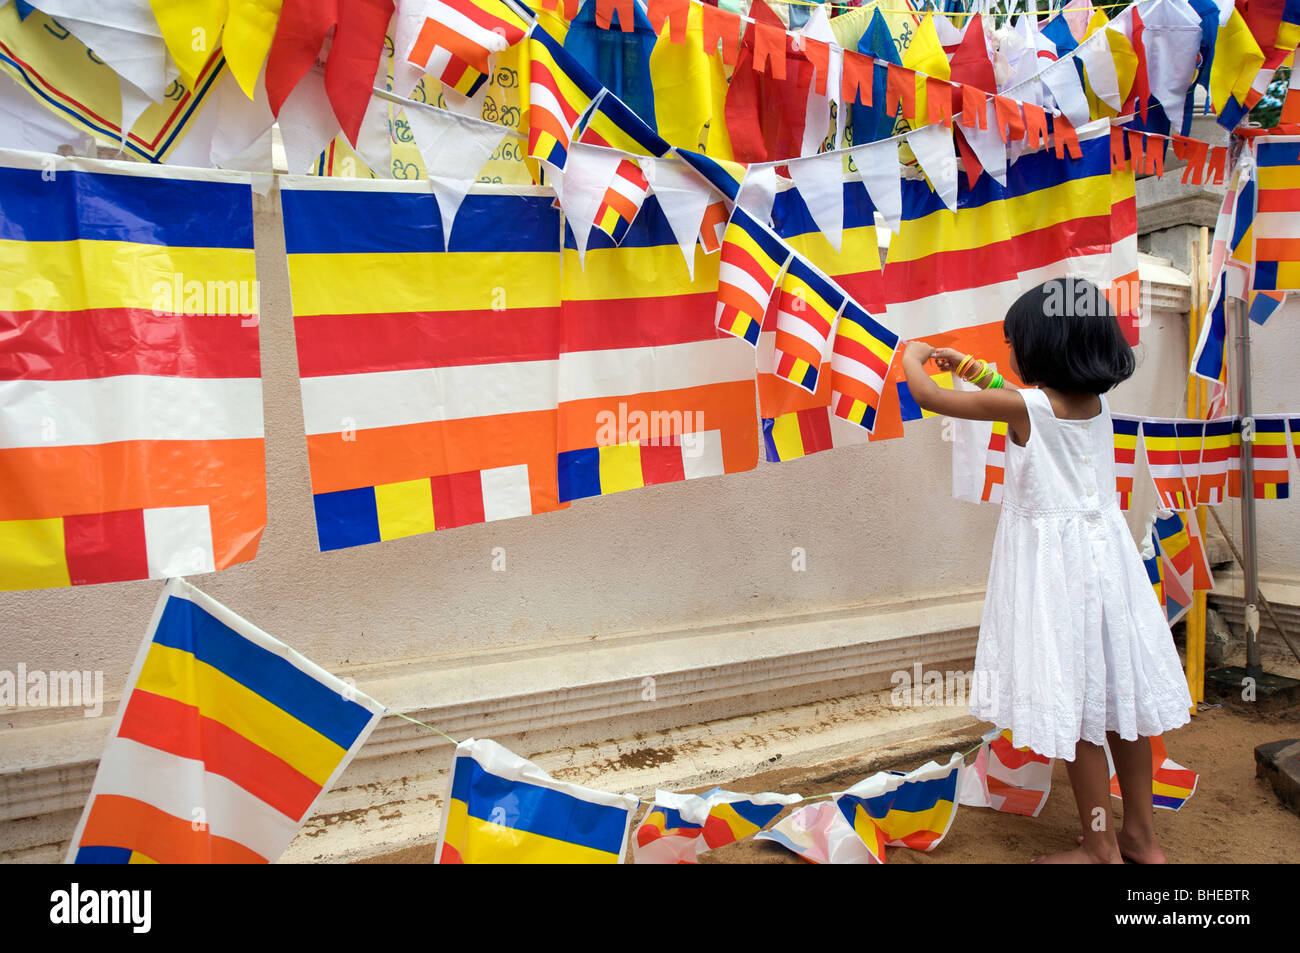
x=1250 y=566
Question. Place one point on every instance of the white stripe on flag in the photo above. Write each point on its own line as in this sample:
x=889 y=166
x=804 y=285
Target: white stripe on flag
x=336 y=403
x=950 y=310
x=639 y=370
x=72 y=413
x=455 y=20
x=744 y=282
x=856 y=370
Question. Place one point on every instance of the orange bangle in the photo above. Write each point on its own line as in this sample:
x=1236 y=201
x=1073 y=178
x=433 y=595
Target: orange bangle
x=969 y=358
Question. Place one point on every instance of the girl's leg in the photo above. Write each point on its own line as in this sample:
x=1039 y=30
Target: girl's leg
x=1137 y=841
x=1091 y=783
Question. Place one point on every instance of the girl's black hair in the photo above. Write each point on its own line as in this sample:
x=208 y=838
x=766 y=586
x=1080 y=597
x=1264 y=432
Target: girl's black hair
x=1065 y=336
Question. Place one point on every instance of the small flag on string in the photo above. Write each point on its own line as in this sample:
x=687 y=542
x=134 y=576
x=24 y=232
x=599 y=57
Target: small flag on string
x=822 y=834
x=1160 y=439
x=1125 y=437
x=1269 y=455
x=560 y=92
x=995 y=464
x=225 y=740
x=1006 y=778
x=680 y=827
x=807 y=306
x=752 y=261
x=503 y=809
x=912 y=809
x=623 y=200
x=861 y=356
x=1218 y=447
x=1171 y=783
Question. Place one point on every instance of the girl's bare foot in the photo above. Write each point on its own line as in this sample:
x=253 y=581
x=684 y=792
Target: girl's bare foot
x=1134 y=851
x=1081 y=855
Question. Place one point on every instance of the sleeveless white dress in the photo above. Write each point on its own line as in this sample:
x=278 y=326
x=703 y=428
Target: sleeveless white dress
x=1073 y=641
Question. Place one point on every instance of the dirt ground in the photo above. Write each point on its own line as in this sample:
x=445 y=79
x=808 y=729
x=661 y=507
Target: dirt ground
x=1233 y=818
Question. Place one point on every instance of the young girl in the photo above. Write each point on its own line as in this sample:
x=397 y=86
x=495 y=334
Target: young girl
x=1073 y=644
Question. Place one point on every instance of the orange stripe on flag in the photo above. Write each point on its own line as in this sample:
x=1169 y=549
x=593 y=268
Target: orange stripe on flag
x=117 y=821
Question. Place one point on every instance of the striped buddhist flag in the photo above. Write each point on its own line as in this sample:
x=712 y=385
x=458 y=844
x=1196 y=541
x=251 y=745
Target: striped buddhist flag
x=722 y=174
x=502 y=809
x=560 y=92
x=995 y=465
x=614 y=125
x=680 y=827
x=913 y=809
x=1277 y=217
x=1125 y=441
x=1218 y=448
x=1267 y=434
x=622 y=201
x=1178 y=573
x=1171 y=783
x=822 y=834
x=807 y=308
x=468 y=30
x=649 y=390
x=1154 y=565
x=224 y=743
x=1006 y=778
x=1263 y=304
x=131 y=443
x=1189 y=436
x=752 y=261
x=429 y=387
x=1227 y=277
x=1164 y=463
x=841 y=412
x=907 y=405
x=713 y=226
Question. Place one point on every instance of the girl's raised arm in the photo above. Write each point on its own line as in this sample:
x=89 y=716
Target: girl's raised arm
x=997 y=404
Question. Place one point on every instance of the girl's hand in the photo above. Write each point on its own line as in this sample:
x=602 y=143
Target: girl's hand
x=918 y=351
x=947 y=359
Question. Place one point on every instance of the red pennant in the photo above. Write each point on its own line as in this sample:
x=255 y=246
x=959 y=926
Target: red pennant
x=1137 y=151
x=973 y=108
x=1141 y=81
x=1065 y=138
x=674 y=12
x=1118 y=154
x=1035 y=126
x=570 y=7
x=970 y=64
x=819 y=55
x=900 y=91
x=1218 y=160
x=1011 y=124
x=856 y=78
x=605 y=10
x=769 y=50
x=359 y=28
x=969 y=160
x=1156 y=158
x=1193 y=152
x=721 y=25
x=938 y=97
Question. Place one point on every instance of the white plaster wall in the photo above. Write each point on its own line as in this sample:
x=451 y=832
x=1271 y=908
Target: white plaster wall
x=877 y=522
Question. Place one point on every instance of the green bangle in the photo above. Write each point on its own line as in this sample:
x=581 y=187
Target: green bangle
x=985 y=372
x=996 y=383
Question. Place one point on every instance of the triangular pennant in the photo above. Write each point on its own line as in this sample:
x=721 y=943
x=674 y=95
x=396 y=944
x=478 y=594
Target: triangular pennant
x=307 y=123
x=986 y=142
x=1171 y=38
x=820 y=182
x=877 y=164
x=682 y=198
x=933 y=148
x=1062 y=80
x=454 y=149
x=374 y=141
x=758 y=192
x=1099 y=68
x=587 y=175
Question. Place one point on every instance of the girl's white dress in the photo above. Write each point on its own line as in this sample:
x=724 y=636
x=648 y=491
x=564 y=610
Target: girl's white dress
x=1073 y=642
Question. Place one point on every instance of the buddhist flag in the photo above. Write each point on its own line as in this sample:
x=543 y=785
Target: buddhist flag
x=1125 y=440
x=912 y=809
x=1267 y=434
x=1171 y=783
x=649 y=390
x=807 y=308
x=1277 y=218
x=821 y=834
x=622 y=201
x=1150 y=550
x=1160 y=440
x=428 y=371
x=995 y=466
x=131 y=441
x=752 y=260
x=680 y=827
x=861 y=357
x=560 y=91
x=1006 y=778
x=907 y=405
x=1186 y=568
x=224 y=743
x=469 y=30
x=1218 y=448
x=502 y=809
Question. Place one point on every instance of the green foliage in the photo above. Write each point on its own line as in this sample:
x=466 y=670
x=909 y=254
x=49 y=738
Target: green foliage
x=1269 y=109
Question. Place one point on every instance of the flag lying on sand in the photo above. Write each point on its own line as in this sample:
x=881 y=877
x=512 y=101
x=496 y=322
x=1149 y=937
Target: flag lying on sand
x=1171 y=783
x=502 y=809
x=225 y=740
x=1006 y=778
x=131 y=443
x=680 y=827
x=821 y=834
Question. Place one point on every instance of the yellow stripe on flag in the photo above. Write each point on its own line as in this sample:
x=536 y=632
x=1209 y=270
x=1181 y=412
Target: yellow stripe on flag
x=482 y=842
x=786 y=436
x=404 y=509
x=620 y=468
x=32 y=554
x=659 y=270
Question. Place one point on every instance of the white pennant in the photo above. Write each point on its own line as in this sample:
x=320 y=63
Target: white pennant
x=454 y=151
x=410 y=17
x=26 y=124
x=1172 y=38
x=758 y=192
x=307 y=122
x=1062 y=79
x=877 y=163
x=987 y=144
x=932 y=146
x=683 y=197
x=1099 y=65
x=581 y=188
x=818 y=121
x=374 y=140
x=820 y=181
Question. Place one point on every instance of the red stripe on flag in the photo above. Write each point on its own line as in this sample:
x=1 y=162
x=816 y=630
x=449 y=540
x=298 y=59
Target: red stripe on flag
x=179 y=729
x=457 y=499
x=639 y=322
x=472 y=11
x=105 y=547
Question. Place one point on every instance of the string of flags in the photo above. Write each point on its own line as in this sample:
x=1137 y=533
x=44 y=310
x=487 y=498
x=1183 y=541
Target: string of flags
x=226 y=739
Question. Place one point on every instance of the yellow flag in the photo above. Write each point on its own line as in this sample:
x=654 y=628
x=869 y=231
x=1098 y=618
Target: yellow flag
x=1237 y=59
x=1126 y=62
x=683 y=76
x=192 y=29
x=249 y=30
x=925 y=55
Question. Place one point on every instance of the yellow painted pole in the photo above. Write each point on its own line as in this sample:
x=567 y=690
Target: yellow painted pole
x=1196 y=401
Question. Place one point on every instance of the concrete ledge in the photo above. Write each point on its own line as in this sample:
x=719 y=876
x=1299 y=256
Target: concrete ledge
x=640 y=687
x=1278 y=763
x=1282 y=593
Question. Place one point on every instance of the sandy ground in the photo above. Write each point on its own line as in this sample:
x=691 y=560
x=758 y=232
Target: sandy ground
x=1233 y=818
